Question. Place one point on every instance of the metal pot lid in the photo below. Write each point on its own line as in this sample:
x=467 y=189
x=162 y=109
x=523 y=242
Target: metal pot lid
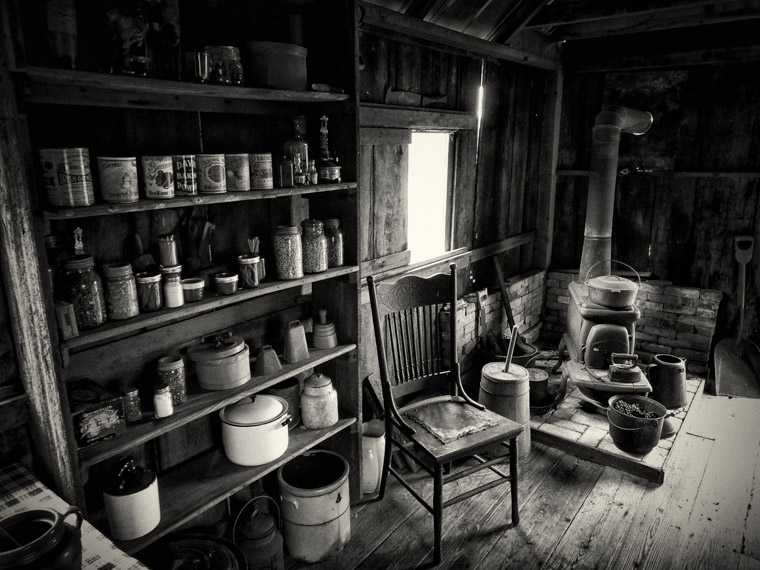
x=613 y=283
x=219 y=348
x=257 y=410
x=317 y=380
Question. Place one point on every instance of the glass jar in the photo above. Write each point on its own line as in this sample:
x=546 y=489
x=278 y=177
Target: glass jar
x=314 y=246
x=83 y=288
x=248 y=269
x=297 y=143
x=162 y=401
x=167 y=250
x=334 y=236
x=312 y=176
x=224 y=65
x=299 y=170
x=173 y=294
x=131 y=400
x=149 y=294
x=284 y=173
x=288 y=255
x=121 y=291
x=171 y=372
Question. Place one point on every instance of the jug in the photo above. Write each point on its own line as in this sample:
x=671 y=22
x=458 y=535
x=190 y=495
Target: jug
x=260 y=539
x=373 y=455
x=667 y=374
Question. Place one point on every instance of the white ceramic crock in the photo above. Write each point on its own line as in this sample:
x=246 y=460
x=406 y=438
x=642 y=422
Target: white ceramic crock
x=255 y=430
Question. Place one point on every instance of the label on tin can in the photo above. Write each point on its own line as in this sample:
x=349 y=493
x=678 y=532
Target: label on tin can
x=118 y=179
x=211 y=173
x=238 y=172
x=261 y=171
x=67 y=177
x=185 y=177
x=158 y=177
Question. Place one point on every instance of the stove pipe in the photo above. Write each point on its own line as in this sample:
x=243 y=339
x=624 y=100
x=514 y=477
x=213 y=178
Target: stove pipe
x=605 y=137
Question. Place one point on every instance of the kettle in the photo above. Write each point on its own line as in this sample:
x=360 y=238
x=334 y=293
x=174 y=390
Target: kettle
x=259 y=538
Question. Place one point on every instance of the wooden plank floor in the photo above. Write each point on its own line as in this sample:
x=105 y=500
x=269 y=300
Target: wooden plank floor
x=576 y=514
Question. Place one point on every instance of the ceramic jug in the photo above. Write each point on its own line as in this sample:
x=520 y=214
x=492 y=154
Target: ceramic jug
x=373 y=455
x=667 y=374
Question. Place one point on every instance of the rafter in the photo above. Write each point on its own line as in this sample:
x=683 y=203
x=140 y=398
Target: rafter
x=515 y=19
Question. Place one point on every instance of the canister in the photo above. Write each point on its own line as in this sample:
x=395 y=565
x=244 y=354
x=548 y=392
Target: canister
x=185 y=176
x=238 y=173
x=314 y=246
x=211 y=173
x=67 y=177
x=118 y=179
x=260 y=165
x=319 y=402
x=288 y=254
x=121 y=291
x=221 y=363
x=131 y=500
x=158 y=177
x=248 y=268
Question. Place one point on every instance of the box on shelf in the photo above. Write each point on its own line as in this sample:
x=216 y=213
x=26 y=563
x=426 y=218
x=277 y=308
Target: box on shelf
x=97 y=413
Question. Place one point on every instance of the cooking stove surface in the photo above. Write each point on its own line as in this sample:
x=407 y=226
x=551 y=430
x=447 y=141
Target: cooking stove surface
x=595 y=383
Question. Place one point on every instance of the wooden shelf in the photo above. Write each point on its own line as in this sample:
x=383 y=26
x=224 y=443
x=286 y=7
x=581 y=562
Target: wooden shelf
x=393 y=116
x=201 y=403
x=197 y=486
x=185 y=201
x=71 y=87
x=210 y=302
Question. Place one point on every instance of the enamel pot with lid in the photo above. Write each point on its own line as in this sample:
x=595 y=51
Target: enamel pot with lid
x=612 y=291
x=255 y=430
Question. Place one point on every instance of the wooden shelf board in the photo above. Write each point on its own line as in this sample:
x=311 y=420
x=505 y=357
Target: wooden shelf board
x=201 y=403
x=185 y=201
x=197 y=486
x=379 y=115
x=210 y=302
x=72 y=87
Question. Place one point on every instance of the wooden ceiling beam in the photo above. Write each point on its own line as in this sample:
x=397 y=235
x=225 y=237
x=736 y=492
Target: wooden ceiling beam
x=515 y=19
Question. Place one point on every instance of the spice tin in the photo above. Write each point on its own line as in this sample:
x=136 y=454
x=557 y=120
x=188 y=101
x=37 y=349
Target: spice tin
x=211 y=173
x=238 y=172
x=192 y=289
x=171 y=372
x=149 y=294
x=96 y=413
x=288 y=255
x=118 y=179
x=121 y=291
x=158 y=177
x=248 y=268
x=260 y=165
x=67 y=177
x=185 y=176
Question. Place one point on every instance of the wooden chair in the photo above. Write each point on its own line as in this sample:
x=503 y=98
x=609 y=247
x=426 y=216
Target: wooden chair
x=428 y=415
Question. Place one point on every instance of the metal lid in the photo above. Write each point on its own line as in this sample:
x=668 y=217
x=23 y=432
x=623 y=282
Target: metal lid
x=79 y=262
x=220 y=348
x=118 y=269
x=613 y=283
x=317 y=380
x=256 y=410
x=287 y=230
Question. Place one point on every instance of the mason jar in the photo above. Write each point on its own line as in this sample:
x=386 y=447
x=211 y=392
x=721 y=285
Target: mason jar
x=121 y=291
x=83 y=288
x=314 y=246
x=288 y=255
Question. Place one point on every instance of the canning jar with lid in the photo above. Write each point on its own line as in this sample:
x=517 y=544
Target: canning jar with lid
x=174 y=296
x=334 y=236
x=314 y=246
x=149 y=294
x=225 y=67
x=121 y=291
x=248 y=268
x=167 y=250
x=288 y=255
x=83 y=288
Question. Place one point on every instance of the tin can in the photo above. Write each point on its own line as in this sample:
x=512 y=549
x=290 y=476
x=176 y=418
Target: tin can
x=158 y=177
x=211 y=173
x=118 y=179
x=185 y=177
x=67 y=176
x=261 y=171
x=238 y=172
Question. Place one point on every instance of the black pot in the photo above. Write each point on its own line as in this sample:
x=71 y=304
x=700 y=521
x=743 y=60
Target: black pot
x=41 y=540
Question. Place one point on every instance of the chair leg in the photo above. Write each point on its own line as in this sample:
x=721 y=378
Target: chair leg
x=513 y=482
x=437 y=512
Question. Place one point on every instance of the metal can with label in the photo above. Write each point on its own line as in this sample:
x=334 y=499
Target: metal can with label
x=67 y=176
x=185 y=177
x=211 y=173
x=238 y=172
x=261 y=171
x=118 y=179
x=158 y=177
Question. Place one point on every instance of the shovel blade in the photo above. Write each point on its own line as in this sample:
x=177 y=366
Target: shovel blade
x=733 y=375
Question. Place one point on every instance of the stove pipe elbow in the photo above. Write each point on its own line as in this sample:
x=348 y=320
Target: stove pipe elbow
x=605 y=137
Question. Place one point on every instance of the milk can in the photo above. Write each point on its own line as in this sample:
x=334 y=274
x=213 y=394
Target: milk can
x=259 y=538
x=319 y=402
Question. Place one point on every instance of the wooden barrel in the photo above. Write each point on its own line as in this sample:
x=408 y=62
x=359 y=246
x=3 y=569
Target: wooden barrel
x=508 y=394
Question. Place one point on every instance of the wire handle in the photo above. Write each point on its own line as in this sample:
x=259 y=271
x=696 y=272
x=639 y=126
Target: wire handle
x=638 y=277
x=240 y=512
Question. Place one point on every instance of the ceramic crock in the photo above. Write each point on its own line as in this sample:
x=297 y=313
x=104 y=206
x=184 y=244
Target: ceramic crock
x=44 y=541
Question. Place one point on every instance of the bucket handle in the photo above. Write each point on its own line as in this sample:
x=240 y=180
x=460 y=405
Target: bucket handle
x=240 y=512
x=638 y=277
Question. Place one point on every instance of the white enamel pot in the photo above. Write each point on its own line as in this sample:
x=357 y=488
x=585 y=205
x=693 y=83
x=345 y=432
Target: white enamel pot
x=255 y=430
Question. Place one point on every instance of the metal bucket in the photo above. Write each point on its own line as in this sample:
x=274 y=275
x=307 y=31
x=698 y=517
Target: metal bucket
x=315 y=505
x=508 y=394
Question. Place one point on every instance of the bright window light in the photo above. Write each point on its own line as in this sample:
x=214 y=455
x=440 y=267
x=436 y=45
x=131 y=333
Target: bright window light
x=428 y=189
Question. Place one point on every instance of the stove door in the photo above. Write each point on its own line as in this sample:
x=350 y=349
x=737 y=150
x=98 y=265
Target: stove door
x=602 y=341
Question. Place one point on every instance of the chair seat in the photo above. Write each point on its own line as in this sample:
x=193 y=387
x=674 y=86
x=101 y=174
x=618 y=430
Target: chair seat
x=450 y=429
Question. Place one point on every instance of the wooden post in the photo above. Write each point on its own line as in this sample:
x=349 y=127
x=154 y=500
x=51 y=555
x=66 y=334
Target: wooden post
x=22 y=278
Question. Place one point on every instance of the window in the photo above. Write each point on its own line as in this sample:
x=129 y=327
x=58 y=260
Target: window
x=428 y=192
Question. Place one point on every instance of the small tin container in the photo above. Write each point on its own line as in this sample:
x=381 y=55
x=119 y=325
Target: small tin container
x=67 y=177
x=185 y=175
x=158 y=177
x=118 y=179
x=211 y=173
x=226 y=283
x=248 y=268
x=260 y=165
x=238 y=173
x=192 y=288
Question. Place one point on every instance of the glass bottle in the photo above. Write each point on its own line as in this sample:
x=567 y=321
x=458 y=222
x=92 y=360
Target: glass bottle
x=299 y=172
x=162 y=401
x=121 y=291
x=131 y=400
x=314 y=245
x=327 y=170
x=334 y=236
x=62 y=32
x=167 y=250
x=56 y=257
x=284 y=173
x=312 y=177
x=83 y=288
x=297 y=143
x=288 y=254
x=173 y=294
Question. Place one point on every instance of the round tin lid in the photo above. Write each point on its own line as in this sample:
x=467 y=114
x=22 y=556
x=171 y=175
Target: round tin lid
x=612 y=283
x=79 y=262
x=256 y=410
x=317 y=380
x=220 y=348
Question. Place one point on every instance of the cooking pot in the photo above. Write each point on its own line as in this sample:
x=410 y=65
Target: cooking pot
x=612 y=291
x=255 y=430
x=43 y=541
x=222 y=363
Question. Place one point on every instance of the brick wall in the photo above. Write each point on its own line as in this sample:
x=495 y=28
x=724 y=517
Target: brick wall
x=674 y=320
